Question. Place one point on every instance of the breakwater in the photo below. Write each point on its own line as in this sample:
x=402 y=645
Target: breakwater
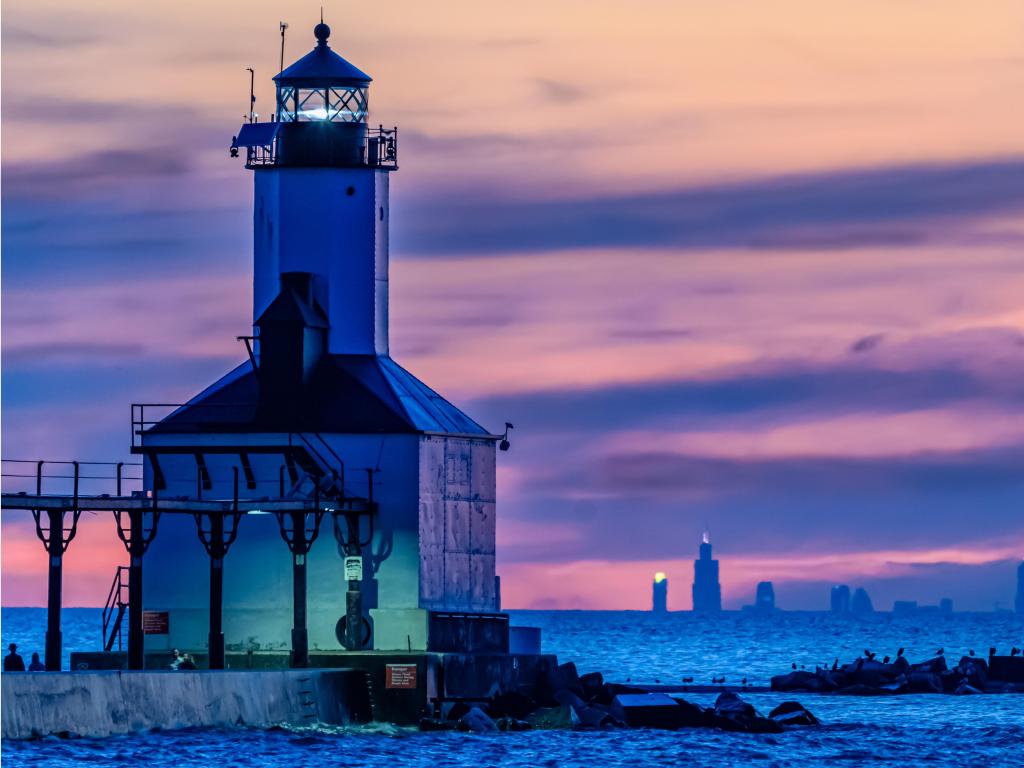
x=106 y=703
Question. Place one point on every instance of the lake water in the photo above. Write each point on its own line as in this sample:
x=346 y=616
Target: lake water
x=642 y=647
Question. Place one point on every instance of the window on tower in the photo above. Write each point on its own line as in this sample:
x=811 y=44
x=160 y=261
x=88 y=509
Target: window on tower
x=337 y=104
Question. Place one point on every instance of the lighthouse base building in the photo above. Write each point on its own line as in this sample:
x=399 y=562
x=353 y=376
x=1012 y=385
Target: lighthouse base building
x=320 y=410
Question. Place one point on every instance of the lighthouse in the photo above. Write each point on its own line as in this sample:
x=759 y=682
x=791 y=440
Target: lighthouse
x=404 y=560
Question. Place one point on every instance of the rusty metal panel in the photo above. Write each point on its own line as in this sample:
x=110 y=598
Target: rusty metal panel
x=456 y=525
x=481 y=528
x=432 y=584
x=456 y=581
x=482 y=582
x=483 y=469
x=458 y=459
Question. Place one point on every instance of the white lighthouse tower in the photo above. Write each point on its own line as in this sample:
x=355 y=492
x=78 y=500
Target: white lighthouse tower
x=320 y=406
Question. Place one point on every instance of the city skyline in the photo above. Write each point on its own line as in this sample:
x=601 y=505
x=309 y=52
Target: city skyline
x=787 y=306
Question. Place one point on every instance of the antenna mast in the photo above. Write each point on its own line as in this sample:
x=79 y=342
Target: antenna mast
x=252 y=95
x=283 y=25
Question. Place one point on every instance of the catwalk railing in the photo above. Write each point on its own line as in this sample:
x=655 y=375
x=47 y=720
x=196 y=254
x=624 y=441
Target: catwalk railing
x=119 y=488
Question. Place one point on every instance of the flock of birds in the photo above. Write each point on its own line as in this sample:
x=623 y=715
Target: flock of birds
x=868 y=654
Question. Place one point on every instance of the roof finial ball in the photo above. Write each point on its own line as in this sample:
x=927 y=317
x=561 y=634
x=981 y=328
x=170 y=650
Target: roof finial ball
x=321 y=31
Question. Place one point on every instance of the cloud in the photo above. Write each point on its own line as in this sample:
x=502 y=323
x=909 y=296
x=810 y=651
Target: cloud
x=898 y=205
x=559 y=92
x=867 y=343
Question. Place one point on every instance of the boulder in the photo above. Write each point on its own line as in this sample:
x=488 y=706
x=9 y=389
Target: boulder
x=798 y=680
x=792 y=713
x=511 y=704
x=729 y=706
x=512 y=724
x=937 y=665
x=592 y=717
x=924 y=682
x=592 y=684
x=476 y=721
x=651 y=710
x=964 y=689
x=568 y=678
x=550 y=718
x=974 y=670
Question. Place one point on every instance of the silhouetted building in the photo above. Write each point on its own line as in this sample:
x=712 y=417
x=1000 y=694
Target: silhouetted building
x=840 y=602
x=659 y=593
x=707 y=593
x=904 y=607
x=912 y=608
x=861 y=603
x=1020 y=589
x=764 y=600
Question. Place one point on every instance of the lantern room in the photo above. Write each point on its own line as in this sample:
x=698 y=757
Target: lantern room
x=322 y=86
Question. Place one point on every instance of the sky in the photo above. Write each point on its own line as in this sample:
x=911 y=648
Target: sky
x=749 y=268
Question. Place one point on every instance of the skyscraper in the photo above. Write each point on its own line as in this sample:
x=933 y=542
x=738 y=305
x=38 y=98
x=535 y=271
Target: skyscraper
x=1019 y=602
x=707 y=593
x=840 y=599
x=861 y=603
x=659 y=593
x=764 y=600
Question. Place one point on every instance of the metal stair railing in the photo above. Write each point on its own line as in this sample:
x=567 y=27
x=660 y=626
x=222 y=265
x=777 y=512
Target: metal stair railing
x=114 y=609
x=331 y=470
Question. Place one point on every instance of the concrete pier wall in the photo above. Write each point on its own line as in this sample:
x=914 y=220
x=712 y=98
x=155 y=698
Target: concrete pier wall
x=104 y=703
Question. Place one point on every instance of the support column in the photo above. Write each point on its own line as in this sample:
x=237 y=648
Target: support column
x=55 y=579
x=299 y=530
x=56 y=537
x=350 y=544
x=300 y=634
x=217 y=531
x=217 y=594
x=136 y=639
x=137 y=537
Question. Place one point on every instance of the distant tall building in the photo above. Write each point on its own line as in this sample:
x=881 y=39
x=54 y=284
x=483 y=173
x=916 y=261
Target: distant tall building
x=707 y=593
x=861 y=603
x=840 y=602
x=659 y=593
x=1019 y=602
x=764 y=599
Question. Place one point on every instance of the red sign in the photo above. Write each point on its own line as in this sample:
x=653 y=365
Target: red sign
x=400 y=676
x=156 y=622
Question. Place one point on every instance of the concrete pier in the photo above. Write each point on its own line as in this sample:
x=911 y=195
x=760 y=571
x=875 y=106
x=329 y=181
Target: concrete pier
x=112 y=702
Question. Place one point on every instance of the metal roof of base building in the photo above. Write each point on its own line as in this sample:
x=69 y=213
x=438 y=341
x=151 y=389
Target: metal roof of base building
x=347 y=394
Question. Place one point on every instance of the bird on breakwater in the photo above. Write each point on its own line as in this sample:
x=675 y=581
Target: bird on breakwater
x=885 y=659
x=971 y=651
x=835 y=665
x=940 y=651
x=869 y=655
x=687 y=679
x=744 y=681
x=1014 y=651
x=794 y=666
x=991 y=651
x=899 y=653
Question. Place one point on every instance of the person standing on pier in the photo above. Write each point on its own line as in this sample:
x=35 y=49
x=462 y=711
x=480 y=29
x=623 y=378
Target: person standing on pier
x=36 y=665
x=12 y=661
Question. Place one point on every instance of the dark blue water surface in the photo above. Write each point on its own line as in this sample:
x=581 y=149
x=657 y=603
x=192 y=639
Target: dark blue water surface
x=904 y=730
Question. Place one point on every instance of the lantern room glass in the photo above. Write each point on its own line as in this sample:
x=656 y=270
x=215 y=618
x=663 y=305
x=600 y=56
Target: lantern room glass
x=338 y=104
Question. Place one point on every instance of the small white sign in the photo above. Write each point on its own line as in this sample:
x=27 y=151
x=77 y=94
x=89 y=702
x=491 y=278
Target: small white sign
x=353 y=569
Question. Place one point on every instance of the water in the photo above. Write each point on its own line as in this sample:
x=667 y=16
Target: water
x=905 y=730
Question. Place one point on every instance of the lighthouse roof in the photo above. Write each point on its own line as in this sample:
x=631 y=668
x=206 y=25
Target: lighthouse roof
x=348 y=394
x=322 y=67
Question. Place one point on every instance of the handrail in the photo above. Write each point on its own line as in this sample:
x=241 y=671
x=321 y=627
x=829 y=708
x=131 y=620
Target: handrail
x=115 y=601
x=116 y=478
